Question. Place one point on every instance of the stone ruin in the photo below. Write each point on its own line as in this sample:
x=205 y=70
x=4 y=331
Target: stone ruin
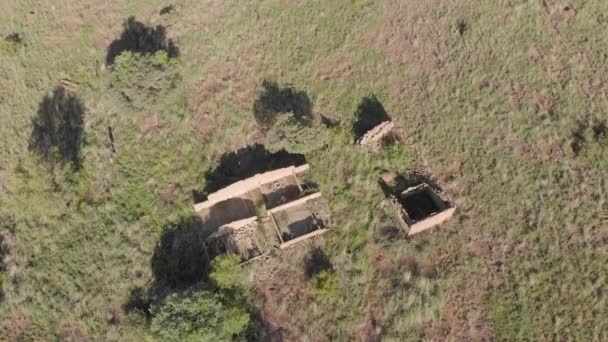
x=271 y=208
x=383 y=135
x=419 y=206
x=239 y=237
x=300 y=220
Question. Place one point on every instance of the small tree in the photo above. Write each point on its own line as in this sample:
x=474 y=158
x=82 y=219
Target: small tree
x=198 y=316
x=227 y=272
x=326 y=285
x=143 y=78
x=295 y=135
x=274 y=99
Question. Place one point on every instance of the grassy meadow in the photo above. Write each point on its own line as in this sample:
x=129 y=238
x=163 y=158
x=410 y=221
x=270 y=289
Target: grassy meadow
x=504 y=101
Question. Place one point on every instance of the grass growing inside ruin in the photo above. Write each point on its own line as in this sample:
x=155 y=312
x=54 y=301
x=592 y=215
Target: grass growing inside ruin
x=504 y=101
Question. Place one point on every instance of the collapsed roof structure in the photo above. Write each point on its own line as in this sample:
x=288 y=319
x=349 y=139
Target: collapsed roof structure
x=236 y=212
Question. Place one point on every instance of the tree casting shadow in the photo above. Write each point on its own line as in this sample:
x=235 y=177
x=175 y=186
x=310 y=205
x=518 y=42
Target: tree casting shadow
x=139 y=38
x=58 y=128
x=369 y=114
x=275 y=99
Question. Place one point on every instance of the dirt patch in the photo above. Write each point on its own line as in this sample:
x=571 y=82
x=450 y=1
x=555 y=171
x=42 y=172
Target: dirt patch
x=367 y=330
x=281 y=293
x=521 y=149
x=167 y=194
x=206 y=124
x=550 y=149
x=342 y=70
x=227 y=79
x=72 y=24
x=72 y=332
x=411 y=33
x=146 y=124
x=13 y=328
x=568 y=12
x=544 y=103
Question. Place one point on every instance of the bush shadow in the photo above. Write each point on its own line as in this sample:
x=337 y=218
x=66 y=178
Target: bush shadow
x=587 y=130
x=58 y=128
x=315 y=262
x=139 y=38
x=15 y=38
x=244 y=163
x=369 y=114
x=274 y=99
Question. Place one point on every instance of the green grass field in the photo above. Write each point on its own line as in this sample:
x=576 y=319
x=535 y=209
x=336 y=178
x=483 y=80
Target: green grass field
x=505 y=100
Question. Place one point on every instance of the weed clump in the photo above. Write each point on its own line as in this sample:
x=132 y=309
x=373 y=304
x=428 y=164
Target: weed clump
x=326 y=285
x=589 y=134
x=10 y=45
x=144 y=78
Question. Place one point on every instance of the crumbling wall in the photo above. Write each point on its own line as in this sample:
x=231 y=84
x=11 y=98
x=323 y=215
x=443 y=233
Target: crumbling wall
x=240 y=237
x=385 y=134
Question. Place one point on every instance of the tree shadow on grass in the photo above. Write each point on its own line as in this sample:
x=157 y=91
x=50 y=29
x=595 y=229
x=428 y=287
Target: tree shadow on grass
x=244 y=163
x=180 y=261
x=58 y=128
x=369 y=114
x=180 y=258
x=275 y=99
x=139 y=38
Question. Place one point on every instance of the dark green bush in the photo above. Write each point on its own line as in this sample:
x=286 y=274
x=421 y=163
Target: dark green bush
x=198 y=316
x=227 y=272
x=9 y=46
x=275 y=99
x=295 y=135
x=144 y=78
